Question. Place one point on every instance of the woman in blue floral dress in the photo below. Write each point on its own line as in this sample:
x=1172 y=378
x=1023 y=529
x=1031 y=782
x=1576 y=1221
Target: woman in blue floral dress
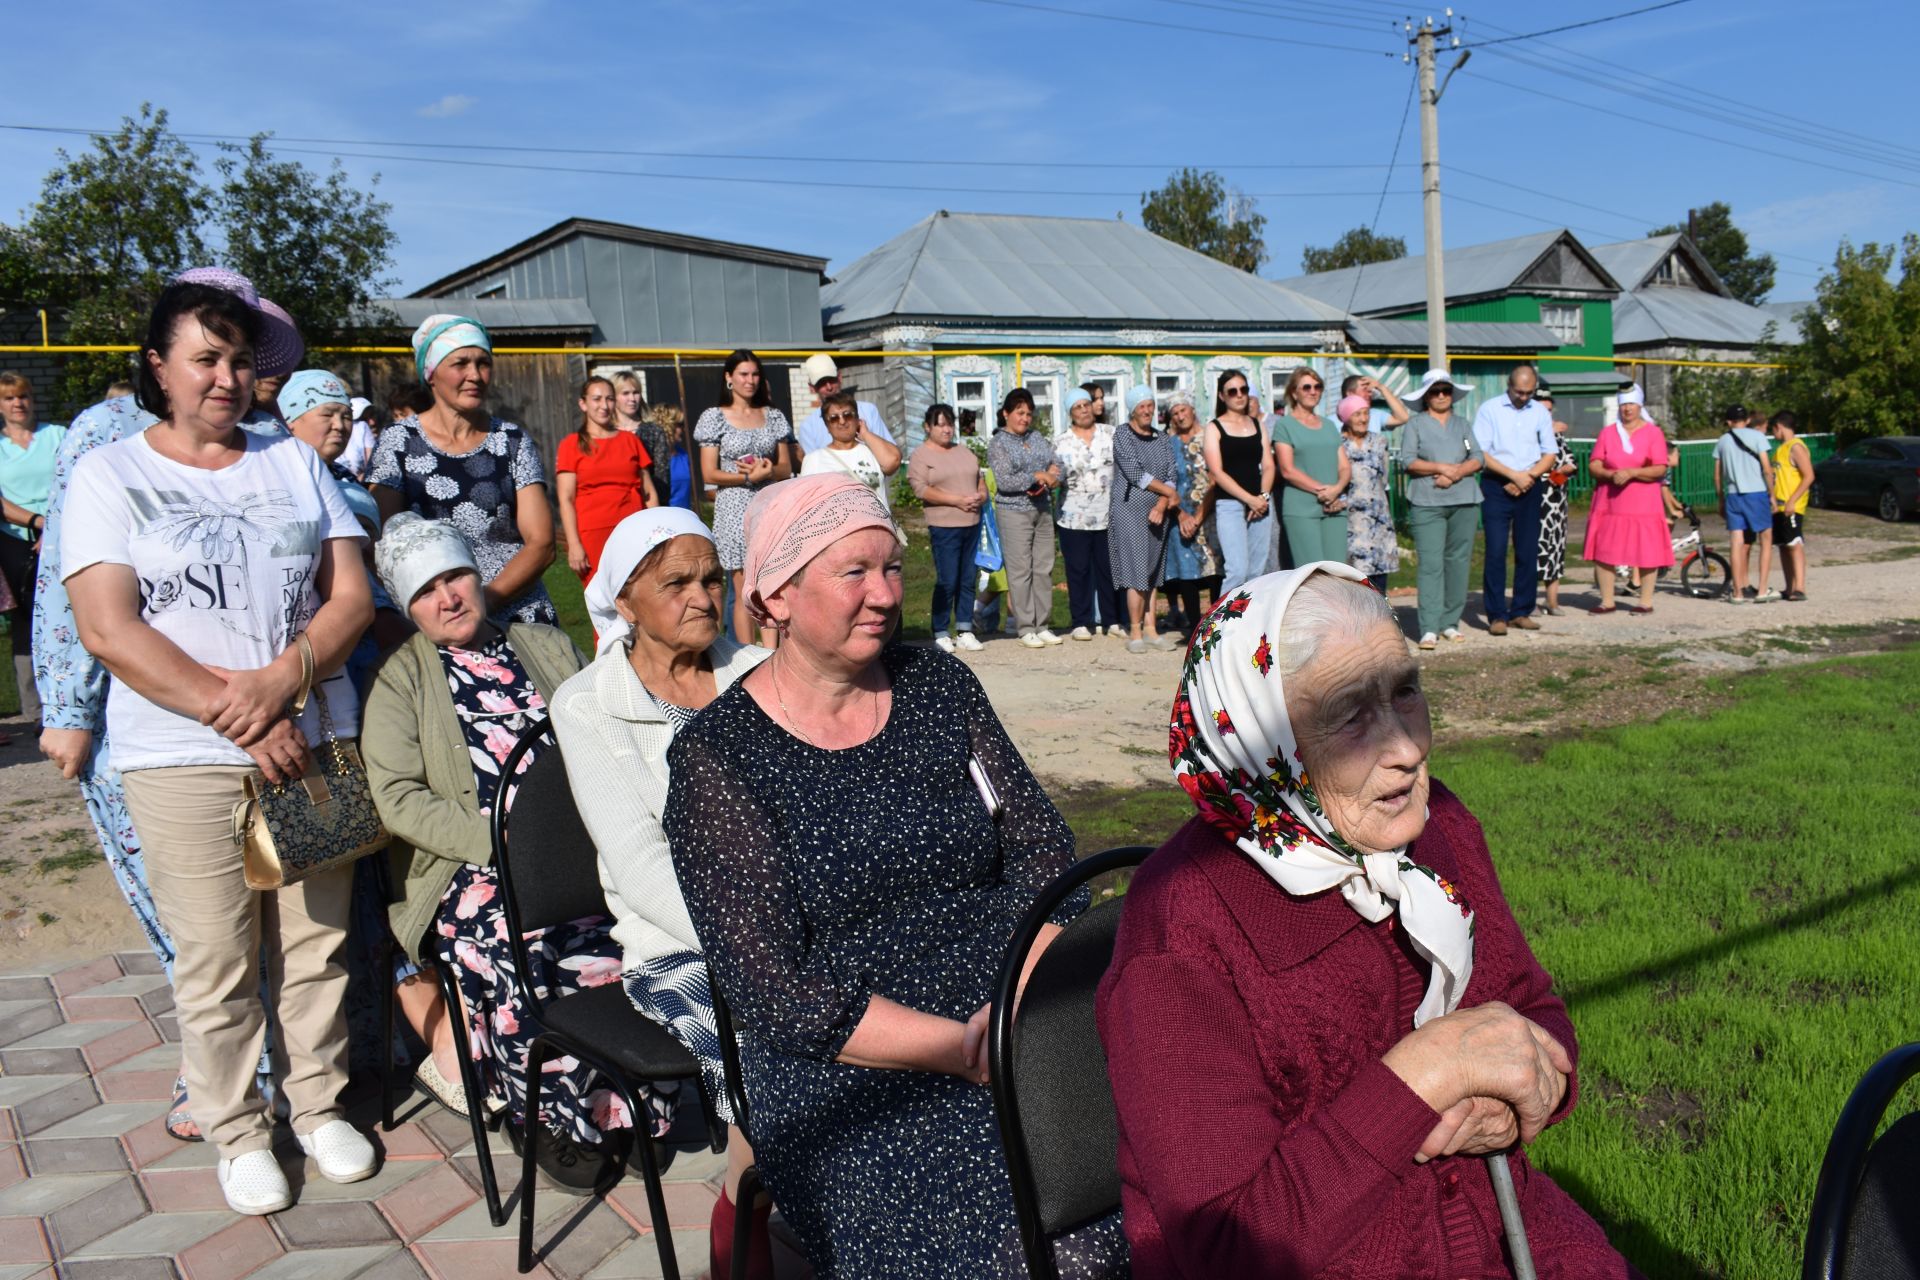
x=1372 y=546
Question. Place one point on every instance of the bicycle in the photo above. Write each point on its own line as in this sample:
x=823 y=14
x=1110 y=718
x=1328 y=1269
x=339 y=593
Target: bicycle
x=1704 y=572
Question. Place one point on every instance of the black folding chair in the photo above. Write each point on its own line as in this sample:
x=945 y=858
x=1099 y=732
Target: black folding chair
x=1864 y=1225
x=548 y=878
x=737 y=1100
x=1050 y=1088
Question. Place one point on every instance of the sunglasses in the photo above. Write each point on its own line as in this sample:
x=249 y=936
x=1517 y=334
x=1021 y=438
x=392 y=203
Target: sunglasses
x=1236 y=391
x=1310 y=386
x=846 y=417
x=1442 y=390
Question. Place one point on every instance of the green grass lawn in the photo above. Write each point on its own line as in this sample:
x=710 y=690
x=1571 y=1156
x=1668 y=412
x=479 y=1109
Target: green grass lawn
x=1727 y=905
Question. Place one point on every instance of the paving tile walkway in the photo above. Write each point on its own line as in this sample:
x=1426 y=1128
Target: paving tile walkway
x=93 y=1188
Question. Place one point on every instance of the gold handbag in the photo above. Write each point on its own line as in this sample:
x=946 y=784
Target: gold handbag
x=324 y=819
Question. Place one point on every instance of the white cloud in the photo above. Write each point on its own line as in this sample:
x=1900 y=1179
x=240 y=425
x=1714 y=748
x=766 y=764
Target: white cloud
x=454 y=104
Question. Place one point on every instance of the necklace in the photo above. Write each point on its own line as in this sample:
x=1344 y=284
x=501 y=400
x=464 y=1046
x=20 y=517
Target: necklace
x=773 y=676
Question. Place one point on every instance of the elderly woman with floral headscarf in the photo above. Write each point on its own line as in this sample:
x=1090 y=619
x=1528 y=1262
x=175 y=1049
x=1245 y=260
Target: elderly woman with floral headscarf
x=1321 y=967
x=445 y=710
x=457 y=462
x=857 y=837
x=656 y=602
x=1192 y=559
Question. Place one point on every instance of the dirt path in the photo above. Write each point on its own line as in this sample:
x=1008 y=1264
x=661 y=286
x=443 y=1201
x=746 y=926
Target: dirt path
x=1091 y=714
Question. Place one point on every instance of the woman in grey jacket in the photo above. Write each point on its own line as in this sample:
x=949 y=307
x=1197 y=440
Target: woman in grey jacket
x=656 y=601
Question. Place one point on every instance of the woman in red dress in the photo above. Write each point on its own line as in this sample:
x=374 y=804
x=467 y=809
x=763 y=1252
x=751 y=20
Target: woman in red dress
x=601 y=477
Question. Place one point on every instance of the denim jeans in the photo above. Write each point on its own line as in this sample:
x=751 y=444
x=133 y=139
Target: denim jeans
x=1504 y=515
x=1091 y=598
x=1244 y=543
x=953 y=575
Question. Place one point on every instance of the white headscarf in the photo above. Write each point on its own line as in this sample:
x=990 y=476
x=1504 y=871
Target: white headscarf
x=413 y=551
x=626 y=547
x=1233 y=749
x=1632 y=395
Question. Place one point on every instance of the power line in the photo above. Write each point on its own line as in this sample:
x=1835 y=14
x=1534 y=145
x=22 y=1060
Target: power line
x=1392 y=160
x=1246 y=11
x=920 y=162
x=1182 y=27
x=1575 y=26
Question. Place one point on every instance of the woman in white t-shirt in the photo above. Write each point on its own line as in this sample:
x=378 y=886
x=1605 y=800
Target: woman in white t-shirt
x=854 y=449
x=210 y=569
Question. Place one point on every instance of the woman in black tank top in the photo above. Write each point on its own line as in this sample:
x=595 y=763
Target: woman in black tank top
x=1241 y=467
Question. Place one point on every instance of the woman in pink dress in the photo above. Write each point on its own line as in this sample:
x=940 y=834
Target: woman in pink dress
x=1628 y=524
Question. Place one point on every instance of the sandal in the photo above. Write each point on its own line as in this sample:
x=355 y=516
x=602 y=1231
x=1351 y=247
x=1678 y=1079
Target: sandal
x=180 y=1125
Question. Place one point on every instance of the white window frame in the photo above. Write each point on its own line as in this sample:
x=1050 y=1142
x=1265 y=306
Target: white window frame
x=1559 y=330
x=981 y=404
x=1048 y=391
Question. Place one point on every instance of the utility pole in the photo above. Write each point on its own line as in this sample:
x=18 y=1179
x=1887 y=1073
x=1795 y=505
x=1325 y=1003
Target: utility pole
x=1425 y=40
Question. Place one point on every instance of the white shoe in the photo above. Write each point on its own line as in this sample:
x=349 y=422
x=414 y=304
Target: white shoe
x=1081 y=633
x=1117 y=631
x=969 y=642
x=1047 y=637
x=1033 y=641
x=1429 y=641
x=342 y=1152
x=1453 y=634
x=254 y=1184
x=943 y=642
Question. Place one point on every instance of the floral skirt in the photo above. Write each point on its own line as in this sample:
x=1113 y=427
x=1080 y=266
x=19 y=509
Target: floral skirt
x=470 y=934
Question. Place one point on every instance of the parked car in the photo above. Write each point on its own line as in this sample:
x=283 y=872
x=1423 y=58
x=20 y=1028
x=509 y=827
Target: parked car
x=1882 y=475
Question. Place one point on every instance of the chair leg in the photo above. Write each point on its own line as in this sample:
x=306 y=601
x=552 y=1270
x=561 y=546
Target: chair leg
x=530 y=1134
x=656 y=1200
x=390 y=999
x=470 y=1085
x=743 y=1214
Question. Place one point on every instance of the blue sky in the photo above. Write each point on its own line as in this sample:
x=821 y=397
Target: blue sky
x=1099 y=109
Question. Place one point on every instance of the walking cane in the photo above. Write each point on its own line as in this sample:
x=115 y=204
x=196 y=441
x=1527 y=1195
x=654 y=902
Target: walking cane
x=1510 y=1219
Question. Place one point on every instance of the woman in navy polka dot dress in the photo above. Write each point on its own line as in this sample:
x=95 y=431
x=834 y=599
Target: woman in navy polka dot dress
x=855 y=896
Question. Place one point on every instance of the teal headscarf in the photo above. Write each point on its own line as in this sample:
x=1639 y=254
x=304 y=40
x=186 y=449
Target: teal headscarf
x=439 y=336
x=308 y=390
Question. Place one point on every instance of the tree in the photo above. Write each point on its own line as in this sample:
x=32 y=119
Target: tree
x=111 y=225
x=1355 y=248
x=318 y=248
x=1193 y=209
x=1747 y=275
x=115 y=222
x=1858 y=359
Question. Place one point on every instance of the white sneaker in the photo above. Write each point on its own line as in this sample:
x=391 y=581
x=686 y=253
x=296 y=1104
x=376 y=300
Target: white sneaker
x=1047 y=637
x=943 y=642
x=1117 y=631
x=1453 y=634
x=254 y=1184
x=969 y=642
x=342 y=1152
x=1033 y=641
x=1429 y=641
x=1081 y=633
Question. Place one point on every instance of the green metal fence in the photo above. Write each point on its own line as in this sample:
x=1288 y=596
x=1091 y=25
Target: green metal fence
x=1692 y=481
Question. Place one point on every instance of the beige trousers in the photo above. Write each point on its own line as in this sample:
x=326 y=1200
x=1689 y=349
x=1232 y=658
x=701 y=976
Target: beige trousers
x=184 y=817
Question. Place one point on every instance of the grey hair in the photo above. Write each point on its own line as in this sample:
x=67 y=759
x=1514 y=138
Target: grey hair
x=1324 y=606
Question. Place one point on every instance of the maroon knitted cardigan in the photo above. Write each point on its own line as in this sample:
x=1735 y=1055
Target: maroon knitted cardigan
x=1260 y=1133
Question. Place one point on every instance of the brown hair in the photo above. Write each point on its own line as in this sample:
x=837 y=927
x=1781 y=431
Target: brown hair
x=1293 y=381
x=12 y=383
x=581 y=436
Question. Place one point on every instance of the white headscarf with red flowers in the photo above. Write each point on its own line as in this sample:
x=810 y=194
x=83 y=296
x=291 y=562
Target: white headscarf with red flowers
x=1232 y=747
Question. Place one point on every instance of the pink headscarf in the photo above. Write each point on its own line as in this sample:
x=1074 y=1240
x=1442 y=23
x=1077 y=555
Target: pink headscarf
x=791 y=522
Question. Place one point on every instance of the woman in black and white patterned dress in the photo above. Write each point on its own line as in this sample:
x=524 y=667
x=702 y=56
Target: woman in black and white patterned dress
x=745 y=445
x=458 y=463
x=1554 y=509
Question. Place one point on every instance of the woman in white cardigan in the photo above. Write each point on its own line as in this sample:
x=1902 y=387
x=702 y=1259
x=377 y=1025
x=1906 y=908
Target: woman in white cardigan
x=662 y=655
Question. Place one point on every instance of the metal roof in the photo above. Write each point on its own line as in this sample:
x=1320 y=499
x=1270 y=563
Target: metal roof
x=1660 y=316
x=1633 y=262
x=543 y=315
x=620 y=231
x=1475 y=271
x=1462 y=335
x=1013 y=267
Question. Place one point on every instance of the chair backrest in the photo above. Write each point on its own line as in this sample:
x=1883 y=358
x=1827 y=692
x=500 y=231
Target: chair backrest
x=547 y=865
x=1050 y=1087
x=1862 y=1223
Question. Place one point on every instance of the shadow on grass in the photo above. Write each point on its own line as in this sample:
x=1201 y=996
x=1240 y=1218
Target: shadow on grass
x=1811 y=914
x=1639 y=1242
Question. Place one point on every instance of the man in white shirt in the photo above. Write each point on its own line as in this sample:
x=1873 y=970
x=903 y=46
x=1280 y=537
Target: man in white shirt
x=823 y=375
x=1516 y=437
